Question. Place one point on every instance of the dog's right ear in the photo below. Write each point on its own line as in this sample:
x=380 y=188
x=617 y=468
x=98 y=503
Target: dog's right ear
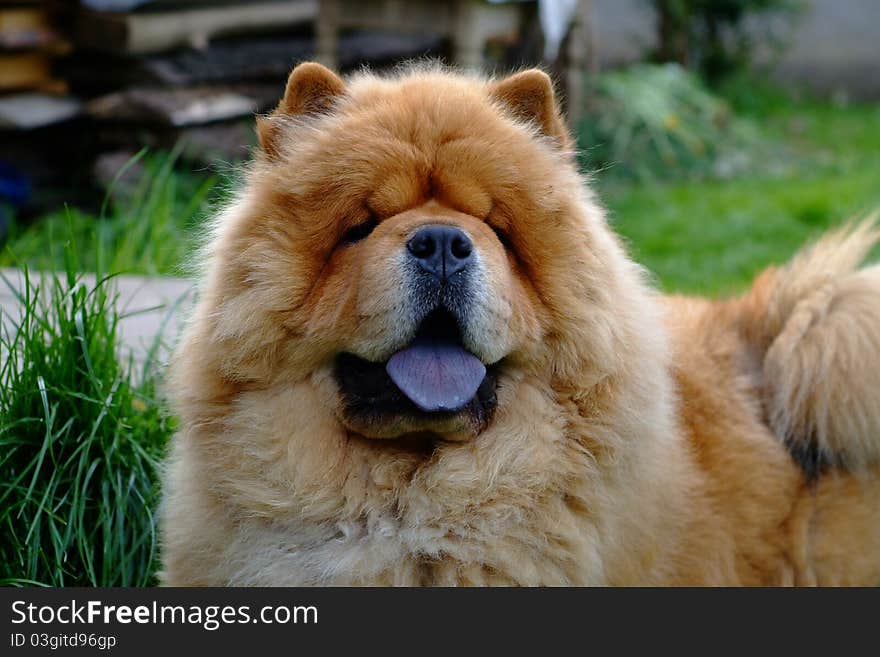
x=311 y=89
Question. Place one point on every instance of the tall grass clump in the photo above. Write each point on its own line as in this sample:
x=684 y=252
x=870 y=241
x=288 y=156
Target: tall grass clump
x=81 y=436
x=658 y=122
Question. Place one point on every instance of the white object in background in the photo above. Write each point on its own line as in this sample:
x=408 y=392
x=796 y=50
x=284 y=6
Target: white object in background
x=33 y=110
x=556 y=17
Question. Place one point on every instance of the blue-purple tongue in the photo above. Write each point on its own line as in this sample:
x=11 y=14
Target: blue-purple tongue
x=436 y=375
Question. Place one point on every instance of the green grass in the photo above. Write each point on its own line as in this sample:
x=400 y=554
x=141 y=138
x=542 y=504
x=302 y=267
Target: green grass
x=152 y=229
x=713 y=236
x=81 y=438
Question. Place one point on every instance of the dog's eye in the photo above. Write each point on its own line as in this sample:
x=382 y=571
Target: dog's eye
x=503 y=237
x=359 y=232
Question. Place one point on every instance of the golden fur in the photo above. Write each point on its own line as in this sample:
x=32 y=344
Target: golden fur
x=637 y=440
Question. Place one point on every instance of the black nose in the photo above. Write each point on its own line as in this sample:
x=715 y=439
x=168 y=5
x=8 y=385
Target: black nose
x=441 y=250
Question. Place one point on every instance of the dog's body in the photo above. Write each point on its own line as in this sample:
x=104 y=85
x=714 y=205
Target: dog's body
x=617 y=437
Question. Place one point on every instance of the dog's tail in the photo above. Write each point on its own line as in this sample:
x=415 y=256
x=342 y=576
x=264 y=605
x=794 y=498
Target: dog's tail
x=815 y=324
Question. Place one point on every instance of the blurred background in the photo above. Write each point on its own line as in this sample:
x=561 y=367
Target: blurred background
x=721 y=134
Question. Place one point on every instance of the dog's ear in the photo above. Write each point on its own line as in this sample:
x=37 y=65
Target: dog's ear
x=529 y=96
x=311 y=89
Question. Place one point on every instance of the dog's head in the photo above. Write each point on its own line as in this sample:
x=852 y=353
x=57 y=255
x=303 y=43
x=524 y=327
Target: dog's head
x=416 y=241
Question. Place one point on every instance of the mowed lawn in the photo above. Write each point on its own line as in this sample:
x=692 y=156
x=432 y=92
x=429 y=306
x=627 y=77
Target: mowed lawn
x=713 y=236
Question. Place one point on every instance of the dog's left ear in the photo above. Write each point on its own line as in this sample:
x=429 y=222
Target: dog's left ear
x=529 y=96
x=311 y=89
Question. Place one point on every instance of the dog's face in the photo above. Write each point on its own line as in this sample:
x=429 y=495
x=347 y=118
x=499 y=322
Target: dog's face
x=407 y=240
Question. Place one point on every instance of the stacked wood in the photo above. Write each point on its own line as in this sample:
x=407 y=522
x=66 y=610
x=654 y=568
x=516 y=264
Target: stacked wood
x=154 y=73
x=210 y=48
x=176 y=68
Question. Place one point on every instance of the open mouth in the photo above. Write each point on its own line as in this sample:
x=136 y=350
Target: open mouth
x=432 y=378
x=435 y=372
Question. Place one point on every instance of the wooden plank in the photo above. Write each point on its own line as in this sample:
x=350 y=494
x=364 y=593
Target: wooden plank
x=156 y=31
x=25 y=27
x=28 y=70
x=174 y=107
x=26 y=111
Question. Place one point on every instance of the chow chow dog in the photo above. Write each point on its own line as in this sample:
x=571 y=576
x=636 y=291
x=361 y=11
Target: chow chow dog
x=421 y=356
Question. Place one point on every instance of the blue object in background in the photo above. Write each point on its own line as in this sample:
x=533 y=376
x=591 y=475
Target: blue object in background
x=14 y=185
x=15 y=190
